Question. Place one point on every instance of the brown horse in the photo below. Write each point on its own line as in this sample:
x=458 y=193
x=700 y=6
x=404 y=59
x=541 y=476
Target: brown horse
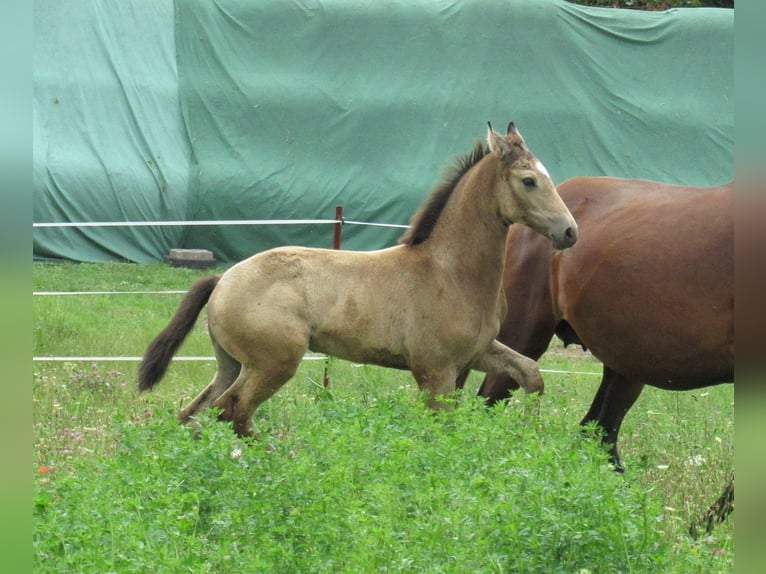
x=649 y=289
x=432 y=305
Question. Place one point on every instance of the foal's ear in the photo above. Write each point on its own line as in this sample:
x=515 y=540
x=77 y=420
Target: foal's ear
x=514 y=134
x=498 y=144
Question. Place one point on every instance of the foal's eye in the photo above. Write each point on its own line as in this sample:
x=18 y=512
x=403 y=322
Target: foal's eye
x=528 y=181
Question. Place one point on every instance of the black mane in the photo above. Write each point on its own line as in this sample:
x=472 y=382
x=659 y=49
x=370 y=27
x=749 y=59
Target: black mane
x=424 y=219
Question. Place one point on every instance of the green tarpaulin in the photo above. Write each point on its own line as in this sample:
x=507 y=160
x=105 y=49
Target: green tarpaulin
x=145 y=111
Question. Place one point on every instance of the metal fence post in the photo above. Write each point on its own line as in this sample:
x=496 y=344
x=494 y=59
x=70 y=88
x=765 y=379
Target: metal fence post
x=335 y=245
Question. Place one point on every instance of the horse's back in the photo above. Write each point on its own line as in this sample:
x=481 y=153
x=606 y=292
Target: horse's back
x=294 y=280
x=649 y=285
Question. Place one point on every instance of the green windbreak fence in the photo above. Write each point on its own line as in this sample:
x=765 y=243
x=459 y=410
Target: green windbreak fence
x=273 y=110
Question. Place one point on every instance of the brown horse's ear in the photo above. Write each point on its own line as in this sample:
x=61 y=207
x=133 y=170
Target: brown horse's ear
x=498 y=144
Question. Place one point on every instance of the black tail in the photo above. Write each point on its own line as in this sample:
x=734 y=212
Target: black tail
x=160 y=351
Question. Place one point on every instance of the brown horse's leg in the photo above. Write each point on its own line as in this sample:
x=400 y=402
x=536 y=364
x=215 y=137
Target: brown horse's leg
x=461 y=378
x=613 y=400
x=228 y=368
x=594 y=412
x=496 y=388
x=500 y=360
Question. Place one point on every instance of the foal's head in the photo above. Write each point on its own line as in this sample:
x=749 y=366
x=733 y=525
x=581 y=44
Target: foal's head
x=526 y=193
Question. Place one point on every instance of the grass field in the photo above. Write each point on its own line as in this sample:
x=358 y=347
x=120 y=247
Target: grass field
x=360 y=477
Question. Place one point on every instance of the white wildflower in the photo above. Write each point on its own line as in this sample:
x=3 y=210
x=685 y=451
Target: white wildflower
x=696 y=460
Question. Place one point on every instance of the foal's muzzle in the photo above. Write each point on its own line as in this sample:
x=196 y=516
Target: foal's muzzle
x=566 y=237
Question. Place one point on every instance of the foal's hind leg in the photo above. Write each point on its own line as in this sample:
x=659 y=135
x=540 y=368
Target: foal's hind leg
x=228 y=368
x=256 y=383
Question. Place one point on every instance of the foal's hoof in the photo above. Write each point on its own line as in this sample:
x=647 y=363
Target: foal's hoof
x=535 y=385
x=244 y=429
x=247 y=433
x=193 y=424
x=532 y=381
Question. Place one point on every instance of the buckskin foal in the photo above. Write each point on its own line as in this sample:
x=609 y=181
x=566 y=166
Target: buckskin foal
x=432 y=305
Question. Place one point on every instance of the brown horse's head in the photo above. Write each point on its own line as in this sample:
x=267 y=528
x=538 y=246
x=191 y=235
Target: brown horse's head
x=527 y=193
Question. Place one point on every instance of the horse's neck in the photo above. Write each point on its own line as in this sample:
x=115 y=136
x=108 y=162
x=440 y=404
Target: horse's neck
x=469 y=233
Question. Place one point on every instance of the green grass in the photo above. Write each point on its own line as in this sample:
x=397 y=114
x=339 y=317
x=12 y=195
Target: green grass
x=360 y=477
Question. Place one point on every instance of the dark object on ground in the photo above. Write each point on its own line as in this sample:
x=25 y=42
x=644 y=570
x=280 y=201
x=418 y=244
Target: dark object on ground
x=193 y=258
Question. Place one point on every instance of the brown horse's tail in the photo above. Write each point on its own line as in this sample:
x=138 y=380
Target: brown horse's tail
x=717 y=512
x=160 y=351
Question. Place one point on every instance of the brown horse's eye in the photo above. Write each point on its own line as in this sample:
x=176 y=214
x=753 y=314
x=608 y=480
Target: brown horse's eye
x=528 y=181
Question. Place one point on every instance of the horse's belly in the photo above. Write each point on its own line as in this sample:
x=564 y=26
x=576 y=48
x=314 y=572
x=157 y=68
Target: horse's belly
x=667 y=324
x=351 y=349
x=667 y=363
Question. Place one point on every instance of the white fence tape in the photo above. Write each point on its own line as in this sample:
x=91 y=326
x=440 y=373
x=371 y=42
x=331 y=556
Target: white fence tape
x=65 y=293
x=185 y=223
x=307 y=357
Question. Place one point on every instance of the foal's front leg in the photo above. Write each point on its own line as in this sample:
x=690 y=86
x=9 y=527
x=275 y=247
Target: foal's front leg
x=500 y=359
x=438 y=383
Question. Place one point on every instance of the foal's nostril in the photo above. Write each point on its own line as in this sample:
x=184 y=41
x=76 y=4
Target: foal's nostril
x=569 y=233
